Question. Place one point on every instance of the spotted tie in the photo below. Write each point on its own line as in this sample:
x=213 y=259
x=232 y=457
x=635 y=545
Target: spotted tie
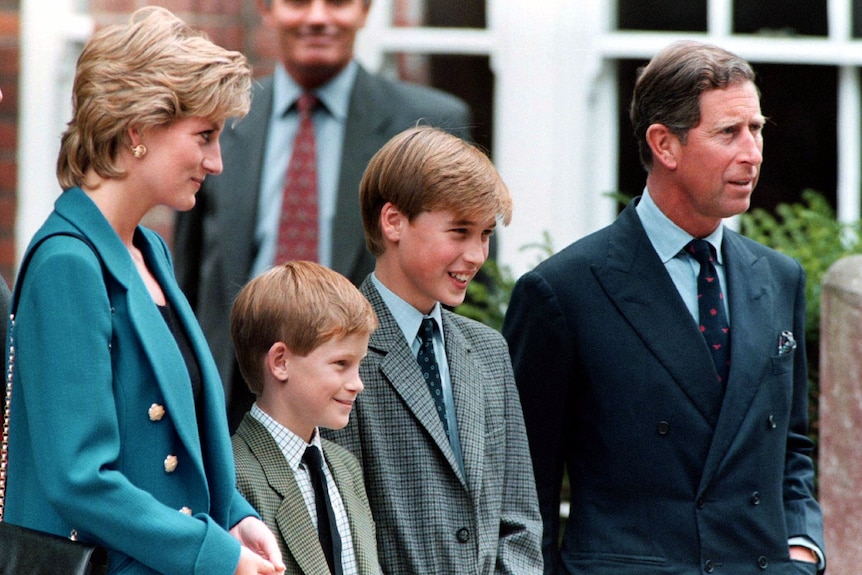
x=430 y=369
x=297 y=226
x=710 y=301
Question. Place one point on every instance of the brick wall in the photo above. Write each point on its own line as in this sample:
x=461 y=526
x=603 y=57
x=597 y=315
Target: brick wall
x=9 y=33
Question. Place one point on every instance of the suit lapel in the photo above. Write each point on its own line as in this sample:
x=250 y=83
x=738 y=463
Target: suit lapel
x=635 y=279
x=167 y=362
x=469 y=406
x=363 y=538
x=292 y=518
x=750 y=297
x=399 y=369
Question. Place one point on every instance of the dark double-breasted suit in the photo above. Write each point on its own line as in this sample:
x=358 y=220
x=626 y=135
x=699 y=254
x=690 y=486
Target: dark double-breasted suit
x=669 y=473
x=431 y=517
x=264 y=478
x=214 y=242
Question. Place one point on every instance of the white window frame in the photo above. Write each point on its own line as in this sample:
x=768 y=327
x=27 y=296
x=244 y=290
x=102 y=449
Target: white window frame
x=50 y=43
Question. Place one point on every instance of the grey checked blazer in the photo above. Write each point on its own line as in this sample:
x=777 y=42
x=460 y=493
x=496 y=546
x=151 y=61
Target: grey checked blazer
x=431 y=518
x=265 y=480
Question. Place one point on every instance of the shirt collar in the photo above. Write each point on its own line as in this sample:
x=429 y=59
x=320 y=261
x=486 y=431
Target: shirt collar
x=406 y=316
x=335 y=94
x=291 y=445
x=667 y=238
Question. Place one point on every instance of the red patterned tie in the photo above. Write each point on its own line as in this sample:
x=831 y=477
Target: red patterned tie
x=713 y=319
x=297 y=227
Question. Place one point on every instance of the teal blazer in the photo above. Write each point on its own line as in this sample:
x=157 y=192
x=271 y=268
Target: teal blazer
x=104 y=436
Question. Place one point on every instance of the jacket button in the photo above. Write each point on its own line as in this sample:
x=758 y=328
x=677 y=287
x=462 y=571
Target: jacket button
x=171 y=463
x=156 y=412
x=663 y=427
x=708 y=566
x=463 y=535
x=755 y=498
x=772 y=424
x=762 y=562
x=700 y=502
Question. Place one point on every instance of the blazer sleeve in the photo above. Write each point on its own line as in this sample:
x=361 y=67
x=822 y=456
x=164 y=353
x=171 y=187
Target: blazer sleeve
x=519 y=549
x=803 y=514
x=535 y=328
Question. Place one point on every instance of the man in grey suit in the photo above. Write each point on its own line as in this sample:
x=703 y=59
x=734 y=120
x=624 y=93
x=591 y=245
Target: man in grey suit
x=679 y=462
x=230 y=235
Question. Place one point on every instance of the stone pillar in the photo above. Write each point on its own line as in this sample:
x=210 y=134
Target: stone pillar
x=840 y=469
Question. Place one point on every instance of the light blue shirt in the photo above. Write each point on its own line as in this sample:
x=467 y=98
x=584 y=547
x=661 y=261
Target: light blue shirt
x=330 y=119
x=409 y=319
x=668 y=240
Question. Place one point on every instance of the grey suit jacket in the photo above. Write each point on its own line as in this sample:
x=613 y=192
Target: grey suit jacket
x=214 y=242
x=668 y=473
x=430 y=517
x=265 y=480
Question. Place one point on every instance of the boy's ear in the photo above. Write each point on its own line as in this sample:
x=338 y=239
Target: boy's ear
x=391 y=222
x=276 y=361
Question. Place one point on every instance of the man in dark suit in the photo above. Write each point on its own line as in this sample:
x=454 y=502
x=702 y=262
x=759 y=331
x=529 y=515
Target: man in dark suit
x=231 y=234
x=678 y=461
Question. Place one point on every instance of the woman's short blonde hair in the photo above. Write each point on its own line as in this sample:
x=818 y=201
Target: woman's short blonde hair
x=149 y=72
x=302 y=304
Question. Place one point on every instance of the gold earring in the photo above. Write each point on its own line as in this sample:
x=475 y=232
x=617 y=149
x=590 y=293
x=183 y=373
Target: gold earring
x=139 y=151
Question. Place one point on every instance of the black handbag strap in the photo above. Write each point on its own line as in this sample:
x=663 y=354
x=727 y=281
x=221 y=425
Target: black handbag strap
x=10 y=368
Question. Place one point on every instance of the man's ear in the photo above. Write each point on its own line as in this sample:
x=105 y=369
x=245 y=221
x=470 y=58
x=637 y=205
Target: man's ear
x=277 y=361
x=392 y=222
x=664 y=145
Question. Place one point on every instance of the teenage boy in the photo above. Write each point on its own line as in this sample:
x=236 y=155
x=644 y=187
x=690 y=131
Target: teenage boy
x=300 y=331
x=442 y=446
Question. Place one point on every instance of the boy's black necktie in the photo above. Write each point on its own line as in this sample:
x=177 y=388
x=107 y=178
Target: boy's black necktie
x=430 y=369
x=710 y=300
x=327 y=530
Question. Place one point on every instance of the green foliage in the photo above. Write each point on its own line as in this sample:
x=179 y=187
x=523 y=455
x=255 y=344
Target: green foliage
x=808 y=232
x=488 y=296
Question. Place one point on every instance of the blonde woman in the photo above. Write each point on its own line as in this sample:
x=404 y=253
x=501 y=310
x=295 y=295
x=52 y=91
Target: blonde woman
x=118 y=429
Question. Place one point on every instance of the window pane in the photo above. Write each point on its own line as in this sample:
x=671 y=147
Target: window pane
x=468 y=77
x=780 y=17
x=800 y=137
x=666 y=15
x=440 y=13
